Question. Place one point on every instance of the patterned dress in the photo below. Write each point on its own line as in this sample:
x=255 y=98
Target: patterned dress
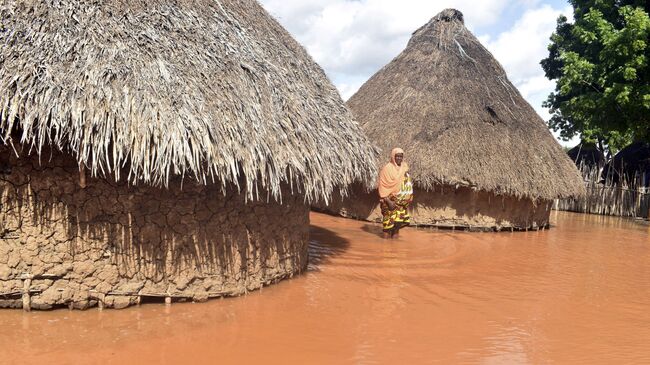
x=399 y=217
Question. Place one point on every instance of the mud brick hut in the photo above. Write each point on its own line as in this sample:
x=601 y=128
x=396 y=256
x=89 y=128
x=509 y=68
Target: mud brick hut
x=480 y=156
x=160 y=150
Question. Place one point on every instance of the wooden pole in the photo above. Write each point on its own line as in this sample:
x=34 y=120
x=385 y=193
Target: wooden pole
x=82 y=177
x=27 y=301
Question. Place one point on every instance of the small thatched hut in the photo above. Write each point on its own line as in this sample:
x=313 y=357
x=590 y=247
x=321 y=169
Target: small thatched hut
x=588 y=155
x=631 y=166
x=160 y=149
x=480 y=155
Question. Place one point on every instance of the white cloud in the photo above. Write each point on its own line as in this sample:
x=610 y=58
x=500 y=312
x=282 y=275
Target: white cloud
x=353 y=39
x=535 y=90
x=520 y=50
x=360 y=36
x=348 y=89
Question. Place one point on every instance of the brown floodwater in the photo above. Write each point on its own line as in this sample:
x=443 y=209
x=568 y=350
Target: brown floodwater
x=576 y=294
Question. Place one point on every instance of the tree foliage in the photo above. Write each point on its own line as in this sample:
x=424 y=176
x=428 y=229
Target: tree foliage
x=600 y=64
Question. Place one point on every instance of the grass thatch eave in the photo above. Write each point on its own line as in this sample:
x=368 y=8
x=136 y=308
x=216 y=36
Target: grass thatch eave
x=588 y=154
x=449 y=104
x=631 y=165
x=213 y=90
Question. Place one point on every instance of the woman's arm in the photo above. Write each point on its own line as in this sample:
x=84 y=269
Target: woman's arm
x=391 y=204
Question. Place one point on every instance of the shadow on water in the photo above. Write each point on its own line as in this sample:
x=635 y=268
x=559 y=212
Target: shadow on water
x=373 y=230
x=324 y=244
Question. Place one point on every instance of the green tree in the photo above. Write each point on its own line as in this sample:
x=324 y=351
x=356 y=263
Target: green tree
x=600 y=64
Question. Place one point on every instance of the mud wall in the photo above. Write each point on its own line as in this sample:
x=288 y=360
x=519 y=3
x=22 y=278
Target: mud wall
x=449 y=207
x=111 y=244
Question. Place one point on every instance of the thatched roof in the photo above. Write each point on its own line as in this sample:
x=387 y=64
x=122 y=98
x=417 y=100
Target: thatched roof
x=587 y=154
x=212 y=89
x=449 y=104
x=632 y=163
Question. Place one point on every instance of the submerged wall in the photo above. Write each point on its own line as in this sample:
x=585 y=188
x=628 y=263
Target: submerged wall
x=111 y=244
x=449 y=207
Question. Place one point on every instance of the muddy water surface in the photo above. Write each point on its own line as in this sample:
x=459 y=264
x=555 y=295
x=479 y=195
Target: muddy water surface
x=578 y=293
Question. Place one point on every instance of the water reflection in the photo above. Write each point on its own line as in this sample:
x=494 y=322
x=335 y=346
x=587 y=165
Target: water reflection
x=578 y=293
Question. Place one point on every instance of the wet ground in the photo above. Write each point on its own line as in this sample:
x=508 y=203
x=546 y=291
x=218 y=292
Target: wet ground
x=576 y=294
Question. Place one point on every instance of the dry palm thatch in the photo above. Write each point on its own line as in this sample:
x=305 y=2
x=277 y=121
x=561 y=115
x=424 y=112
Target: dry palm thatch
x=630 y=166
x=448 y=103
x=587 y=154
x=212 y=89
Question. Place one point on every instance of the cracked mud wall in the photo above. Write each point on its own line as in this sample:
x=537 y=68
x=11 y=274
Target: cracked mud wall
x=110 y=244
x=449 y=207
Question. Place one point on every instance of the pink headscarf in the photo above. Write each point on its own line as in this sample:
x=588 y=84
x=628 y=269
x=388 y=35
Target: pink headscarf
x=391 y=176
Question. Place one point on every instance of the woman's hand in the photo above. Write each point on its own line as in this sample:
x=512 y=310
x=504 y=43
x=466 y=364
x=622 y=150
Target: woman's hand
x=391 y=204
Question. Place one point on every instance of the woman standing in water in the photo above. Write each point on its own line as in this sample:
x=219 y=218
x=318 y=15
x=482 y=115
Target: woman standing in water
x=395 y=194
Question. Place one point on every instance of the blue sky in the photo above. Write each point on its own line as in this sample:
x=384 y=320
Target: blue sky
x=353 y=39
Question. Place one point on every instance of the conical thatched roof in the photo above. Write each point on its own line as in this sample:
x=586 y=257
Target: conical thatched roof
x=630 y=163
x=213 y=89
x=448 y=103
x=587 y=154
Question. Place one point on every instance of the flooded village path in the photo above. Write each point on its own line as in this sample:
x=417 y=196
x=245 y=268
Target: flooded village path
x=578 y=293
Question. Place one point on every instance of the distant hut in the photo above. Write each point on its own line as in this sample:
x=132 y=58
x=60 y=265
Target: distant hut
x=630 y=165
x=588 y=155
x=480 y=156
x=160 y=150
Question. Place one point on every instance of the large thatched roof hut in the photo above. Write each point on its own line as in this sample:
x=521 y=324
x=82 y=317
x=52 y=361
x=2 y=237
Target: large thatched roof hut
x=160 y=149
x=480 y=155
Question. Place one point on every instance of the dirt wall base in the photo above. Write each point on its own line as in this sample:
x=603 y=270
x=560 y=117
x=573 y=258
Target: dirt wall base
x=449 y=207
x=113 y=245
